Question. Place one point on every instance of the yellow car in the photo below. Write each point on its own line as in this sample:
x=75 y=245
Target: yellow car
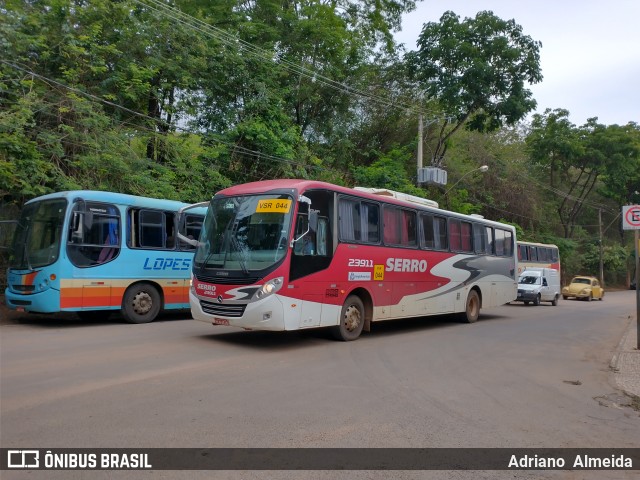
x=584 y=288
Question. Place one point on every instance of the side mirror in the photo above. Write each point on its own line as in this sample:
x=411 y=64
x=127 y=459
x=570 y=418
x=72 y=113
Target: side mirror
x=313 y=219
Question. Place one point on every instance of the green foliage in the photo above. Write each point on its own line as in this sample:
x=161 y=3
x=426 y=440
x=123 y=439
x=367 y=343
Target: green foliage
x=614 y=260
x=388 y=172
x=477 y=70
x=579 y=159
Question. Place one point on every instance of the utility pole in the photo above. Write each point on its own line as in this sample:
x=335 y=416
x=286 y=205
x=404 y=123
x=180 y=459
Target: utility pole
x=601 y=248
x=419 y=142
x=637 y=242
x=631 y=221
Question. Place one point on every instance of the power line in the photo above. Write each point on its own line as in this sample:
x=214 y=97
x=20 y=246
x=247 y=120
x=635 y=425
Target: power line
x=244 y=46
x=567 y=196
x=234 y=147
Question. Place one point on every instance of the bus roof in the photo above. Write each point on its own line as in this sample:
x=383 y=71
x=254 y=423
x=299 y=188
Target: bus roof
x=536 y=244
x=112 y=197
x=298 y=185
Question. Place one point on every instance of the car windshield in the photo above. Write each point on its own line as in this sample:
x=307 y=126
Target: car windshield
x=586 y=281
x=529 y=280
x=248 y=233
x=36 y=242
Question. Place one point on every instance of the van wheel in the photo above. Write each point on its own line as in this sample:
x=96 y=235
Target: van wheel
x=472 y=310
x=351 y=320
x=536 y=301
x=554 y=302
x=141 y=303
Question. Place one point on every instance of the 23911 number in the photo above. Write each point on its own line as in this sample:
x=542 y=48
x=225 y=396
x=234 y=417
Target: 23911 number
x=360 y=262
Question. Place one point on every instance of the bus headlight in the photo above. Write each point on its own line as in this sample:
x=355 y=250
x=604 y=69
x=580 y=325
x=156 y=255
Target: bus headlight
x=272 y=286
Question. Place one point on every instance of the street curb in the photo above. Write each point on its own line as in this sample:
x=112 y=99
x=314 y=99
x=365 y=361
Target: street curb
x=613 y=364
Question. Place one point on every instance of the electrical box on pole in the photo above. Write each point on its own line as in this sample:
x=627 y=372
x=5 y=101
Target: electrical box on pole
x=432 y=176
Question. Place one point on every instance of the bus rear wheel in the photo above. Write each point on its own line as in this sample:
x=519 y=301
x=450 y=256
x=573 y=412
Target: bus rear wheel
x=351 y=320
x=472 y=310
x=141 y=303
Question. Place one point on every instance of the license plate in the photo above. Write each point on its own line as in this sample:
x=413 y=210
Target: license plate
x=220 y=321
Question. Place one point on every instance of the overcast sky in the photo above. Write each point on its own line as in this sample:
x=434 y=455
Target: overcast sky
x=590 y=55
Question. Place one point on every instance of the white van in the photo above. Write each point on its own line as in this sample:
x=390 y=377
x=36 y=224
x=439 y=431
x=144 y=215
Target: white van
x=537 y=285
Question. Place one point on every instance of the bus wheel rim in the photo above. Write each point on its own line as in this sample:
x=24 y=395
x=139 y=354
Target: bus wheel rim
x=142 y=303
x=352 y=318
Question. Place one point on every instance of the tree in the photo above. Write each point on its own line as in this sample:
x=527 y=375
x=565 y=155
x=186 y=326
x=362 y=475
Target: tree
x=621 y=180
x=553 y=142
x=476 y=70
x=580 y=159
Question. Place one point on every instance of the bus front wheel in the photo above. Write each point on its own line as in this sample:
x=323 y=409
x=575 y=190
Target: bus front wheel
x=141 y=303
x=472 y=310
x=351 y=320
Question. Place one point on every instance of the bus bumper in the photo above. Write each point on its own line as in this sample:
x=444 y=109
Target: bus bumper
x=47 y=301
x=267 y=314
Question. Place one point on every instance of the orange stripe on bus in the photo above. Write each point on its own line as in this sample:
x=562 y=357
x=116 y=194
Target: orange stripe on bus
x=105 y=296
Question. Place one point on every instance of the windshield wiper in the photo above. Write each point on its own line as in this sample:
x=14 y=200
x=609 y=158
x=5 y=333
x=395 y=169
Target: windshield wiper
x=234 y=243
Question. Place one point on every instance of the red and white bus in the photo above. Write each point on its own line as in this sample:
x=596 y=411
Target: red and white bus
x=537 y=255
x=295 y=254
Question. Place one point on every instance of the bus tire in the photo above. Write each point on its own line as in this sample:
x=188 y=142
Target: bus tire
x=141 y=303
x=536 y=301
x=351 y=320
x=472 y=309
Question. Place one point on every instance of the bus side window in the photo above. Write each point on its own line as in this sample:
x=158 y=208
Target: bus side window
x=466 y=235
x=191 y=229
x=508 y=244
x=490 y=241
x=454 y=234
x=479 y=238
x=504 y=243
x=399 y=226
x=349 y=215
x=499 y=242
x=428 y=234
x=152 y=229
x=94 y=236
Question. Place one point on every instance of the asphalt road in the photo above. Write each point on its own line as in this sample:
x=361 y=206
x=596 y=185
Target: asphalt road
x=522 y=376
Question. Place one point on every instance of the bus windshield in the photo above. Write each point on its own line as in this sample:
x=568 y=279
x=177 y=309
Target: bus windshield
x=37 y=237
x=246 y=233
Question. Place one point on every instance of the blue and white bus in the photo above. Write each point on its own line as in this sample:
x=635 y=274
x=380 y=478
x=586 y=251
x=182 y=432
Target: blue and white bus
x=97 y=252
